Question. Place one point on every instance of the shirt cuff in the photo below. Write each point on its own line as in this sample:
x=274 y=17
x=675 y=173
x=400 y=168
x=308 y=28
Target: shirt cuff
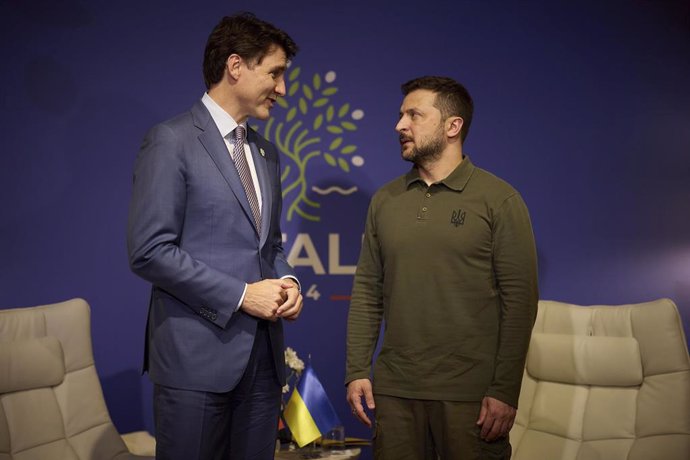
x=299 y=286
x=239 y=304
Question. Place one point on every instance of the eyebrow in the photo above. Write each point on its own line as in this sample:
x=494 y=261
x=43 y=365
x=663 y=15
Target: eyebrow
x=410 y=111
x=278 y=68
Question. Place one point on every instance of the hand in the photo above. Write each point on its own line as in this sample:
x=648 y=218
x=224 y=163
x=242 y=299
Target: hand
x=263 y=299
x=496 y=419
x=292 y=306
x=357 y=389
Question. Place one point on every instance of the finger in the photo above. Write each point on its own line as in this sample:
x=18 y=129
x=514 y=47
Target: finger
x=482 y=414
x=505 y=429
x=296 y=309
x=499 y=429
x=291 y=314
x=364 y=419
x=487 y=426
x=295 y=315
x=287 y=284
x=369 y=398
x=285 y=307
x=361 y=415
x=354 y=395
x=496 y=432
x=493 y=432
x=290 y=299
x=289 y=308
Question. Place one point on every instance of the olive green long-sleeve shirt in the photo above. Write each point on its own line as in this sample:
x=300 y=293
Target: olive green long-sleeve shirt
x=452 y=269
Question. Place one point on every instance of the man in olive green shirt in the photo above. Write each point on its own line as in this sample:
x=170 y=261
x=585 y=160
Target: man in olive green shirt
x=449 y=261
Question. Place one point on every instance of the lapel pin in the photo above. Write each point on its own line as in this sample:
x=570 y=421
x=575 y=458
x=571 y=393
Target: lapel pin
x=263 y=154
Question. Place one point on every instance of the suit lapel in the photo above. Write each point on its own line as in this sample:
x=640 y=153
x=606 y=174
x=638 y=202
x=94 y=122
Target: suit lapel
x=214 y=144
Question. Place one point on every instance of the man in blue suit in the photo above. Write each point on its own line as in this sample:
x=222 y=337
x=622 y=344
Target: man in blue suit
x=204 y=230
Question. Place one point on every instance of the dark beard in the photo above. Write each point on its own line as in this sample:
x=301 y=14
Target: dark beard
x=426 y=153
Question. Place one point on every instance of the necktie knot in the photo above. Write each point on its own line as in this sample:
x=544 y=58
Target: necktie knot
x=240 y=134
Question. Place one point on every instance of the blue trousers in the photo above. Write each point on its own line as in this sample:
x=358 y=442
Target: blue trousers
x=239 y=424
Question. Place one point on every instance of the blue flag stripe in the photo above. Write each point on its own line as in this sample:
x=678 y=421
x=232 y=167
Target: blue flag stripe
x=317 y=402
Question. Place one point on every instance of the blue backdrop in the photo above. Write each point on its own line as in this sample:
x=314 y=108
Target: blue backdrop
x=583 y=106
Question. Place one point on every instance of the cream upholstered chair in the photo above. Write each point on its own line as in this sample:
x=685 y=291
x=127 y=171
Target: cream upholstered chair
x=605 y=382
x=51 y=403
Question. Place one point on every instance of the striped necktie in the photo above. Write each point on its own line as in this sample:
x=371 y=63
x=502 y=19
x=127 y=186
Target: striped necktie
x=245 y=175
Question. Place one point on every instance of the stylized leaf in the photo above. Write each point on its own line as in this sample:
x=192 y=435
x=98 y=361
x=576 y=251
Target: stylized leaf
x=318 y=121
x=291 y=114
x=303 y=106
x=343 y=165
x=294 y=73
x=286 y=172
x=267 y=128
x=336 y=143
x=317 y=81
x=348 y=149
x=330 y=91
x=282 y=102
x=293 y=88
x=300 y=136
x=334 y=129
x=307 y=92
x=343 y=110
x=348 y=125
x=329 y=159
x=321 y=102
x=329 y=113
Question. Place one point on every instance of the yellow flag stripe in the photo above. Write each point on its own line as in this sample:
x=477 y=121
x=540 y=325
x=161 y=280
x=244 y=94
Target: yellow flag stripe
x=300 y=421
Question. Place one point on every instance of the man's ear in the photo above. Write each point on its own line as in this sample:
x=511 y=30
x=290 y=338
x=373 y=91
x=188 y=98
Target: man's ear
x=454 y=126
x=233 y=66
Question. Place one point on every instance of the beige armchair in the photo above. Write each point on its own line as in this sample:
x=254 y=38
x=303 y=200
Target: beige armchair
x=605 y=382
x=51 y=402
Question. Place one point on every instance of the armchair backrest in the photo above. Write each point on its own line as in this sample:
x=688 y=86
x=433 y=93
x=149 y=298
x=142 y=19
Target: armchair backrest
x=51 y=402
x=605 y=382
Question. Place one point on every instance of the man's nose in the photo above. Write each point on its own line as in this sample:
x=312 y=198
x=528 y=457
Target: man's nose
x=280 y=87
x=401 y=125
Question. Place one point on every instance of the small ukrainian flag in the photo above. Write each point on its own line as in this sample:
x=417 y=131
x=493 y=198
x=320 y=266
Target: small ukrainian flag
x=309 y=413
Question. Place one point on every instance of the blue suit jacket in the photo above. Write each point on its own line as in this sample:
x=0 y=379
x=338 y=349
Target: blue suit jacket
x=191 y=234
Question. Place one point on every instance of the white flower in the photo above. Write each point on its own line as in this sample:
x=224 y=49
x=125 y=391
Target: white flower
x=286 y=388
x=293 y=361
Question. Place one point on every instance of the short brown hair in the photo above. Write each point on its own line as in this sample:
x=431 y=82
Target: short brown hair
x=245 y=35
x=452 y=99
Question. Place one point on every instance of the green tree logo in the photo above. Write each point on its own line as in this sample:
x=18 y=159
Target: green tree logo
x=309 y=126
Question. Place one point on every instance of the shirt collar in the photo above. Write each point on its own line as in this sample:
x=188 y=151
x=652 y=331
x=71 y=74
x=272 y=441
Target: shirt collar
x=456 y=180
x=225 y=123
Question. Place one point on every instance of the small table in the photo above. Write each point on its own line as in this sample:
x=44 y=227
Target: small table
x=316 y=454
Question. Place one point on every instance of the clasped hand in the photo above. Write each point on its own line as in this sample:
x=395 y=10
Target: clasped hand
x=272 y=299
